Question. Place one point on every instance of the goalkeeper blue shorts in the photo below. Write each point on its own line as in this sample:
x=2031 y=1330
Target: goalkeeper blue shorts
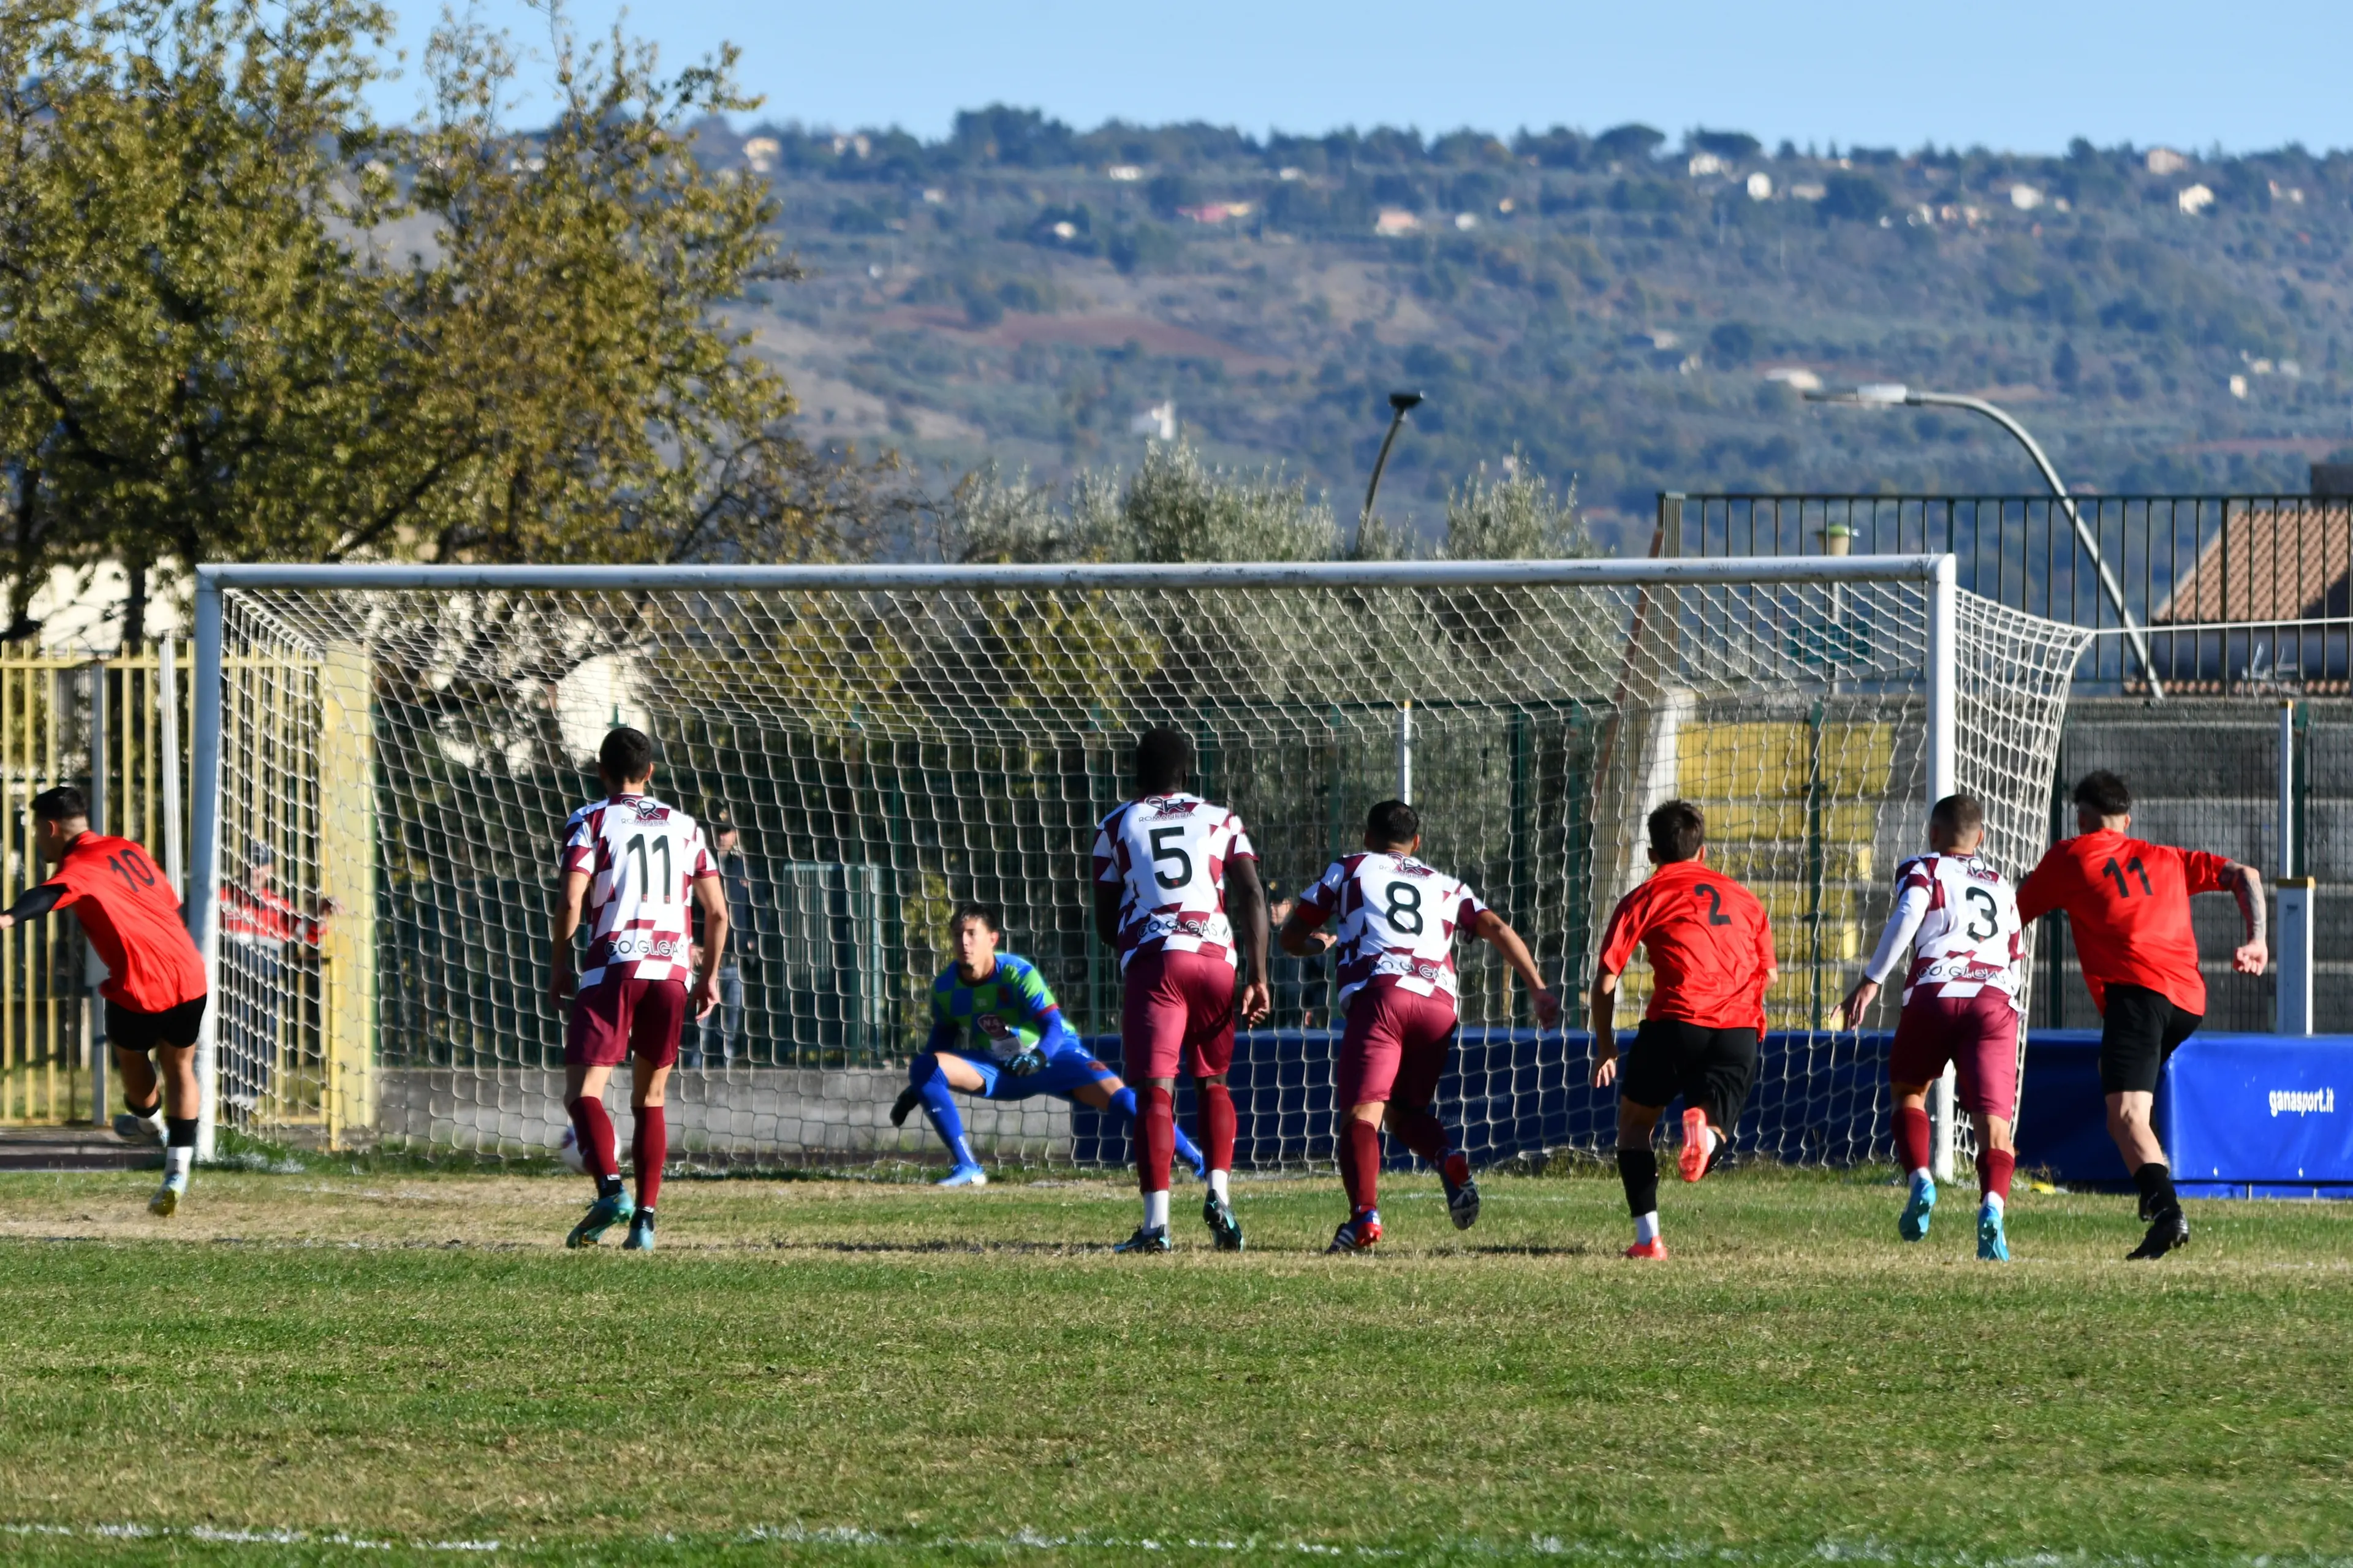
x=1065 y=1072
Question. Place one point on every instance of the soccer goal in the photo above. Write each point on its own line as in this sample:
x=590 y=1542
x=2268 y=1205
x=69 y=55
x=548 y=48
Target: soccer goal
x=385 y=757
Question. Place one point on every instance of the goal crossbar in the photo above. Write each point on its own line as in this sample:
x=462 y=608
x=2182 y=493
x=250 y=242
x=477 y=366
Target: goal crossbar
x=1717 y=569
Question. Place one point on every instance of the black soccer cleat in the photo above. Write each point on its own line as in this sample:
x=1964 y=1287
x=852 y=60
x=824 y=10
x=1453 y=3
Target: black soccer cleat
x=908 y=1099
x=1155 y=1241
x=1224 y=1228
x=2167 y=1231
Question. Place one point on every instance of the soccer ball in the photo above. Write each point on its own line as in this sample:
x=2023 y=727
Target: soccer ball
x=568 y=1148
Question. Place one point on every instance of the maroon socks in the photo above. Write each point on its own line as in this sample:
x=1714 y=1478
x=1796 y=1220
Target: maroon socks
x=1156 y=1139
x=1421 y=1132
x=594 y=1129
x=1360 y=1164
x=1217 y=1126
x=1911 y=1138
x=648 y=1148
x=1994 y=1168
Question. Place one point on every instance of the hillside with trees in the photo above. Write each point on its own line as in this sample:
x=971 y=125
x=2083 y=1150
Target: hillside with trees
x=1624 y=310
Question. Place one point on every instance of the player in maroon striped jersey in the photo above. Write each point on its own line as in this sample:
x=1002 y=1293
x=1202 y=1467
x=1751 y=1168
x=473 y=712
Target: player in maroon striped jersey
x=635 y=865
x=1398 y=918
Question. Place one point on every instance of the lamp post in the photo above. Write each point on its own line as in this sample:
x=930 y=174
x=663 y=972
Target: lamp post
x=1891 y=394
x=1400 y=403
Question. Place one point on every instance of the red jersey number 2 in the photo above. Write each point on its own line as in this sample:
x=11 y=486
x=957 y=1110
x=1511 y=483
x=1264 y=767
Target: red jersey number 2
x=1716 y=915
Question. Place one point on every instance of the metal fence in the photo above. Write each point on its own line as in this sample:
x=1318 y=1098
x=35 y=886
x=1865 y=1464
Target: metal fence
x=70 y=720
x=2239 y=594
x=2245 y=602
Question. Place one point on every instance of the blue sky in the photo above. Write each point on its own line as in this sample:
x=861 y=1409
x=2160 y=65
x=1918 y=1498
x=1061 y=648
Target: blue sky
x=2010 y=75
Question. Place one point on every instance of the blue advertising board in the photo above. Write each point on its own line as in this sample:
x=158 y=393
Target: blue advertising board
x=2243 y=1115
x=2260 y=1115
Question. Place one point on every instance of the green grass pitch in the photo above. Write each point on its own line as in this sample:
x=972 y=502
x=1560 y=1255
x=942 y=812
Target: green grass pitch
x=391 y=1367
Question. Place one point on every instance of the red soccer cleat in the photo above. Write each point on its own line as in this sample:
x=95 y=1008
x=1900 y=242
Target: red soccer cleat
x=1693 y=1158
x=1654 y=1248
x=1359 y=1236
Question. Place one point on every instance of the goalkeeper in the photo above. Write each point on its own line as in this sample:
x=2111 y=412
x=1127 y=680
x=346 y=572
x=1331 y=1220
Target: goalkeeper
x=997 y=1032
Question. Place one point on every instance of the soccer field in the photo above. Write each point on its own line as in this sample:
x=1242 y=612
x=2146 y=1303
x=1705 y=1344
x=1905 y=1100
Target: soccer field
x=851 y=1372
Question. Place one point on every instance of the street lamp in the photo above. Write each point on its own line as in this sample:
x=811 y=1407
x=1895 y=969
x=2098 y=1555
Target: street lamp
x=1891 y=394
x=1400 y=402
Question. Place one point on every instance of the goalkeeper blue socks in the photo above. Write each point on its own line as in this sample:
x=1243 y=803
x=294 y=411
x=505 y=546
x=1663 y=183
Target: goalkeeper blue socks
x=939 y=1104
x=1122 y=1105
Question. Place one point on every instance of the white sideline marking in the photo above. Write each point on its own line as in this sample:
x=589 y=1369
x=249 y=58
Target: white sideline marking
x=1869 y=1549
x=214 y=1535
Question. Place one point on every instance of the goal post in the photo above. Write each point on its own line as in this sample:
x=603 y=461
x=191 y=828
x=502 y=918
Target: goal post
x=383 y=755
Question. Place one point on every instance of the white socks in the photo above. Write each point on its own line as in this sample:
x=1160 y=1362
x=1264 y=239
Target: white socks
x=1921 y=1178
x=175 y=1167
x=1156 y=1210
x=1646 y=1228
x=1218 y=1182
x=1993 y=1201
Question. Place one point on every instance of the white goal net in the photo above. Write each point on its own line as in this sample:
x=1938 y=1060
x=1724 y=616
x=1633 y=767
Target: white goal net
x=385 y=758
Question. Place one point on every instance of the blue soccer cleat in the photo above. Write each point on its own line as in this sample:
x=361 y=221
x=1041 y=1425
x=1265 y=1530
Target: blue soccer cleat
x=1914 y=1225
x=602 y=1215
x=1225 y=1230
x=1993 y=1246
x=641 y=1232
x=964 y=1176
x=1151 y=1242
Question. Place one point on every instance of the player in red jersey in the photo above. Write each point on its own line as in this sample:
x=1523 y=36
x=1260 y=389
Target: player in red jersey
x=1711 y=951
x=2127 y=903
x=635 y=865
x=154 y=987
x=1961 y=1005
x=1168 y=866
x=1398 y=918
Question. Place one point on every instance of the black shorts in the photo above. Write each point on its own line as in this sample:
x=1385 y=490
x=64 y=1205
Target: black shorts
x=2140 y=1029
x=1711 y=1068
x=127 y=1029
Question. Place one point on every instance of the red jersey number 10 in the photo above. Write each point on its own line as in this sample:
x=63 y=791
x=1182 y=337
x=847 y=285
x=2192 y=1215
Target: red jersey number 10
x=2134 y=865
x=130 y=865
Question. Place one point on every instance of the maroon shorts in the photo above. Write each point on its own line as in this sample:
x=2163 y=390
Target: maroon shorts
x=1394 y=1047
x=623 y=1019
x=1178 y=1012
x=1978 y=1035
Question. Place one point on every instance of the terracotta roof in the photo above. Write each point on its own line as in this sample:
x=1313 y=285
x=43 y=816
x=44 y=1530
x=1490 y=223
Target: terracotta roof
x=2288 y=560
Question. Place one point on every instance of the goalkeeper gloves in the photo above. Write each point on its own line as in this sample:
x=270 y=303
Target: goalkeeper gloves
x=1025 y=1064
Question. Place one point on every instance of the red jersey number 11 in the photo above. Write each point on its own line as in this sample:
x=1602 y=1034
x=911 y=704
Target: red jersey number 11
x=2134 y=865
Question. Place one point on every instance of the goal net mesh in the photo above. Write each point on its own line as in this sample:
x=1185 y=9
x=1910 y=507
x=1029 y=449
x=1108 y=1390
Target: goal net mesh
x=397 y=765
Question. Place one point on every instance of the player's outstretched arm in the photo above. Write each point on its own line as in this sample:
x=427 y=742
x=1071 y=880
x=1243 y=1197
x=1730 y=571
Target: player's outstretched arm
x=1248 y=914
x=711 y=897
x=1902 y=925
x=38 y=901
x=2246 y=885
x=1602 y=1009
x=562 y=924
x=1492 y=929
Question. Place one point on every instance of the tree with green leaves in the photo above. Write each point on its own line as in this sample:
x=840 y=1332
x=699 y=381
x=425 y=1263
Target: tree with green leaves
x=212 y=346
